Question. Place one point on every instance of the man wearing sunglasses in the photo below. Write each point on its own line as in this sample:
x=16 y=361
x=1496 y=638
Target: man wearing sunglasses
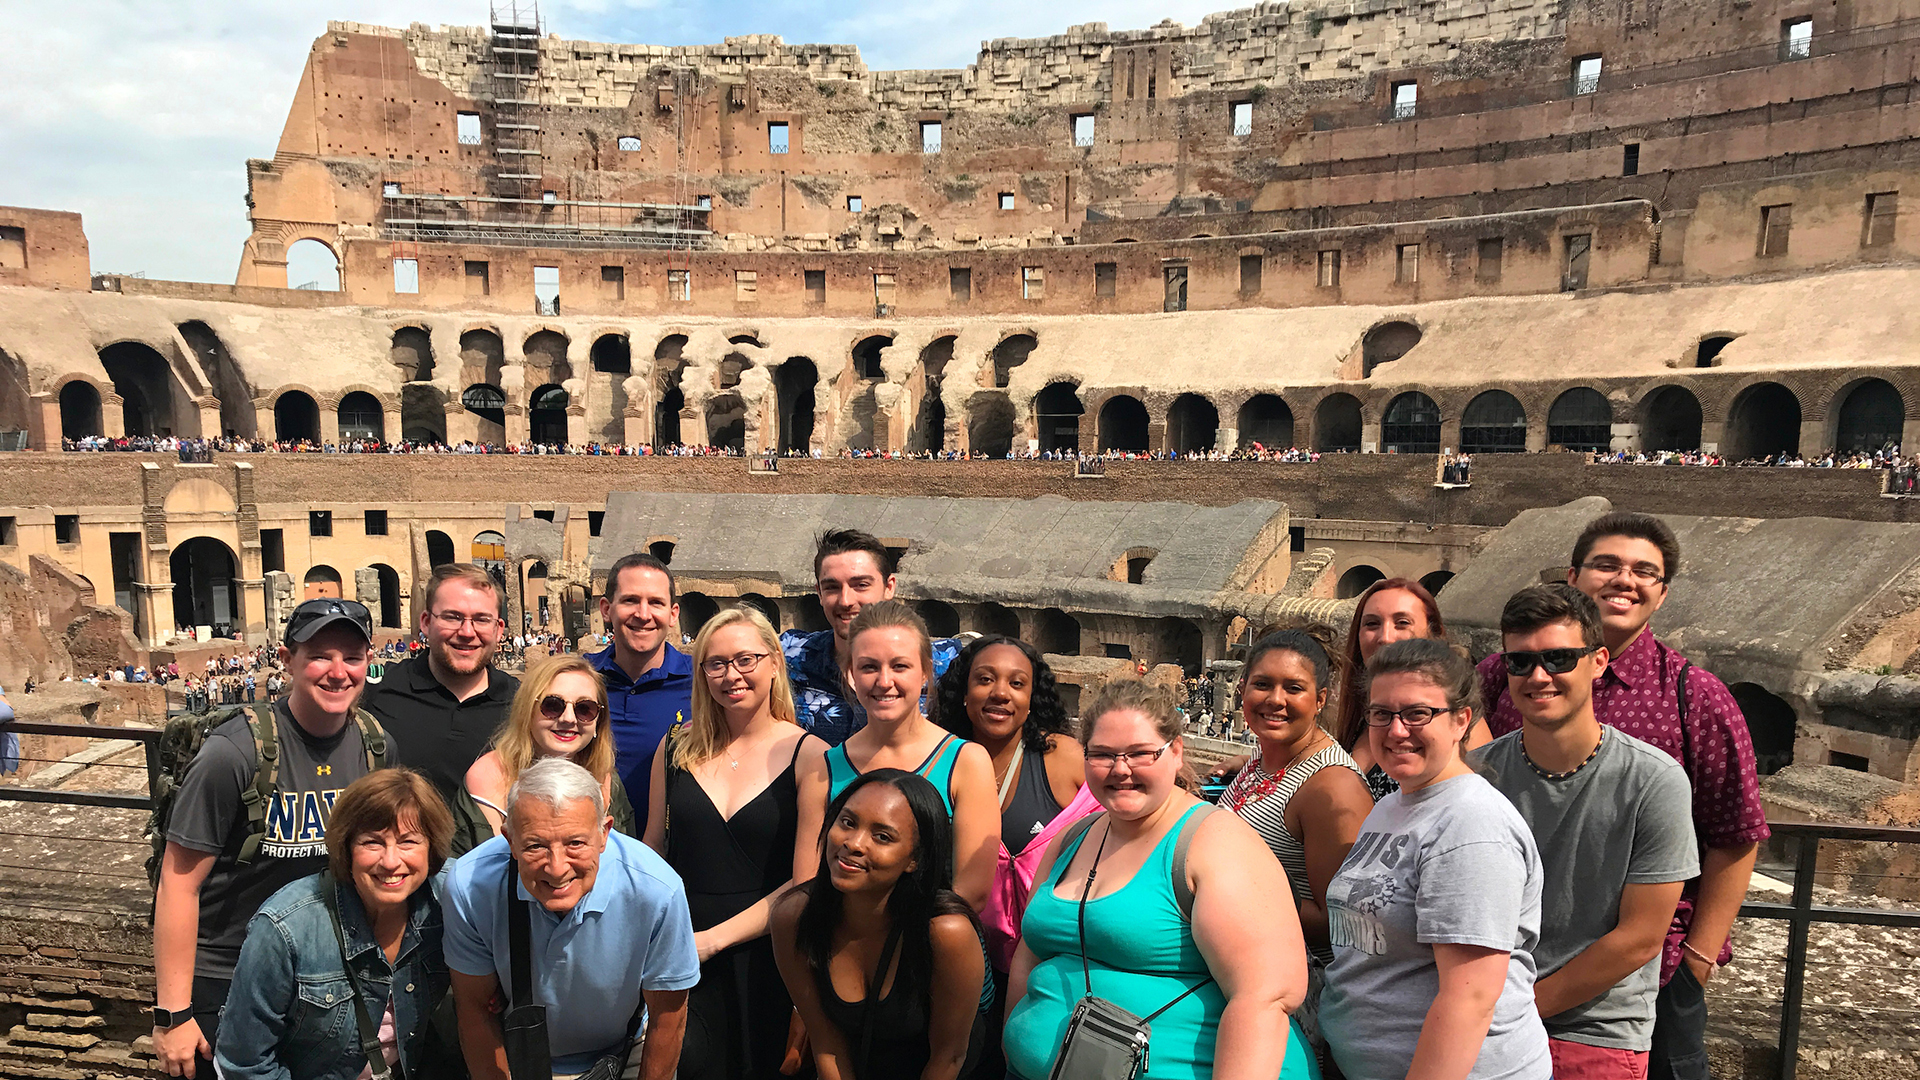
x=1624 y=561
x=649 y=682
x=443 y=706
x=1612 y=818
x=228 y=850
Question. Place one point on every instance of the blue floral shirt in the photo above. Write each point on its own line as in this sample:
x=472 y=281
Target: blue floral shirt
x=821 y=701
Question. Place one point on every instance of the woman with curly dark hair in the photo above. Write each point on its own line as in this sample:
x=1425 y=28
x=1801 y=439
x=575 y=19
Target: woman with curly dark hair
x=999 y=693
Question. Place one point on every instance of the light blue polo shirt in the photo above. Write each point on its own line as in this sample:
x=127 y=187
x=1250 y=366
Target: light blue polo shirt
x=631 y=932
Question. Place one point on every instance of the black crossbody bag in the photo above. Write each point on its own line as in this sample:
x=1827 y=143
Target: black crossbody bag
x=1104 y=1041
x=523 y=1027
x=366 y=1029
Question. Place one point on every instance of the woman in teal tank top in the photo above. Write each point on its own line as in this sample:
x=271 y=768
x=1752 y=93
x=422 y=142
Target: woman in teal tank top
x=889 y=664
x=1143 y=951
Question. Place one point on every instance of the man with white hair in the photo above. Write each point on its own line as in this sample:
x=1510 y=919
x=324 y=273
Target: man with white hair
x=604 y=928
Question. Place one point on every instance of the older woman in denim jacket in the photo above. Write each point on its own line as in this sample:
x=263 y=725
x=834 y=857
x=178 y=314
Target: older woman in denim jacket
x=292 y=1014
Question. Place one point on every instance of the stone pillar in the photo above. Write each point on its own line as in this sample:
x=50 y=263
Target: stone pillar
x=1625 y=437
x=576 y=424
x=1713 y=435
x=209 y=409
x=279 y=602
x=113 y=421
x=1226 y=439
x=516 y=422
x=155 y=601
x=263 y=419
x=1536 y=436
x=1450 y=434
x=1156 y=434
x=329 y=420
x=1909 y=434
x=1813 y=438
x=43 y=422
x=636 y=427
x=1370 y=435
x=366 y=586
x=392 y=421
x=462 y=426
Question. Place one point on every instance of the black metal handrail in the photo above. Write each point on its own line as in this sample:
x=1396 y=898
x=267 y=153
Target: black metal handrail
x=1801 y=913
x=149 y=738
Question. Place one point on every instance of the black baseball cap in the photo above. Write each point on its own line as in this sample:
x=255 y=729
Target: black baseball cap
x=313 y=616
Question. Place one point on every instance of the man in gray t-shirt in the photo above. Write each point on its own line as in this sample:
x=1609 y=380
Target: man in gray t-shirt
x=1613 y=819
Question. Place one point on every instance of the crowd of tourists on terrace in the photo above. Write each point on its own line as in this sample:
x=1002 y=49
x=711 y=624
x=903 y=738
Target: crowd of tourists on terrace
x=881 y=854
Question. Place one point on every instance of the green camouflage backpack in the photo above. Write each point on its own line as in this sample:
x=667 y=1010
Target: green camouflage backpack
x=180 y=743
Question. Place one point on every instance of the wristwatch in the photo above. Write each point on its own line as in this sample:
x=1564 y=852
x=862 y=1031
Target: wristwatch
x=168 y=1019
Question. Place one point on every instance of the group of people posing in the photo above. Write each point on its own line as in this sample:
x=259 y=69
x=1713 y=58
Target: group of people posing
x=866 y=853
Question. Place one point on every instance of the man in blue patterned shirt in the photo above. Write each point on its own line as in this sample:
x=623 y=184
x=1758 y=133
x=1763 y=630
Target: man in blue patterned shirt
x=851 y=569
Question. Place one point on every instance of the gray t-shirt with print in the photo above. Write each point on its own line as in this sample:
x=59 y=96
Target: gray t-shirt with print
x=1625 y=818
x=1449 y=864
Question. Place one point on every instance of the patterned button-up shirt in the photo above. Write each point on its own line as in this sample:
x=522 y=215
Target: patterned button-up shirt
x=821 y=701
x=1639 y=694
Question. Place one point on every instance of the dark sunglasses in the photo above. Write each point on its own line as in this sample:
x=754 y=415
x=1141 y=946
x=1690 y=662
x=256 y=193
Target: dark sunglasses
x=326 y=609
x=585 y=711
x=1556 y=661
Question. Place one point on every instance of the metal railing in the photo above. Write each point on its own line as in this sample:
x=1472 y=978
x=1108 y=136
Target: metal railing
x=149 y=738
x=1801 y=913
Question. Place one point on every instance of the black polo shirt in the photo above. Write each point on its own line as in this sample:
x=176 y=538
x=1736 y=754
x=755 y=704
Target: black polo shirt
x=431 y=732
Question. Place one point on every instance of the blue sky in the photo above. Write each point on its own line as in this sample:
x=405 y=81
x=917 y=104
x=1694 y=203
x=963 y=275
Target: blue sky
x=141 y=115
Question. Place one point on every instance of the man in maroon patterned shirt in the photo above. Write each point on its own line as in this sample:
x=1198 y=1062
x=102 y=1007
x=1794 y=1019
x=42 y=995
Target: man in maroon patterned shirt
x=1624 y=561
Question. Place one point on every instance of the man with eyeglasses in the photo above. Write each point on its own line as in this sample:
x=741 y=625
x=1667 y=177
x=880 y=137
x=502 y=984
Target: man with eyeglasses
x=443 y=706
x=1612 y=818
x=1624 y=561
x=251 y=816
x=649 y=682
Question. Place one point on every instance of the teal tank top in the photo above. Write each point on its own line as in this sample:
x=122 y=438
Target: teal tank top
x=1141 y=953
x=938 y=769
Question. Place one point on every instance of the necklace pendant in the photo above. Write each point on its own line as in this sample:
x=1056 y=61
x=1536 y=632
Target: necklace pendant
x=731 y=764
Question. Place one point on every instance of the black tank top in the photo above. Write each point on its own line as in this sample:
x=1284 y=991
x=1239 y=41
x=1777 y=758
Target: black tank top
x=1032 y=806
x=728 y=864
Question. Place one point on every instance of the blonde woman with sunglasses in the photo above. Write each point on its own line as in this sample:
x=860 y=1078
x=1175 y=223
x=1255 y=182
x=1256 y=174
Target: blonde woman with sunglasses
x=559 y=711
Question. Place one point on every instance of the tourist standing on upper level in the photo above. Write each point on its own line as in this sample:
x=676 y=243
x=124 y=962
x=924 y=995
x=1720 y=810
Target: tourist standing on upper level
x=889 y=668
x=1611 y=816
x=1436 y=912
x=851 y=570
x=649 y=682
x=444 y=707
x=1624 y=561
x=223 y=861
x=1301 y=792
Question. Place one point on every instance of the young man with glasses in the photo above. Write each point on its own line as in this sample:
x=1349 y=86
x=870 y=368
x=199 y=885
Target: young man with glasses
x=443 y=706
x=1624 y=561
x=238 y=831
x=1612 y=818
x=649 y=682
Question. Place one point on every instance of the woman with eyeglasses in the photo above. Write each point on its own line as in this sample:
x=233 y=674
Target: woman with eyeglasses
x=558 y=712
x=1435 y=913
x=1163 y=908
x=727 y=816
x=889 y=669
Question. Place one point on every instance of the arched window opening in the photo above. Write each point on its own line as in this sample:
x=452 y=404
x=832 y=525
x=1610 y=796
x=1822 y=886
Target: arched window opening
x=1011 y=353
x=204 y=590
x=727 y=422
x=1386 y=343
x=866 y=357
x=1707 y=354
x=762 y=605
x=1137 y=569
x=362 y=418
x=666 y=418
x=1181 y=644
x=1057 y=632
x=662 y=550
x=942 y=619
x=793 y=384
x=990 y=424
x=440 y=549
x=1355 y=581
x=1581 y=420
x=546 y=354
x=489 y=405
x=1670 y=420
x=1436 y=581
x=412 y=353
x=320 y=581
x=1411 y=425
x=311 y=264
x=144 y=382
x=695 y=609
x=229 y=383
x=1764 y=421
x=296 y=418
x=14 y=403
x=547 y=416
x=489 y=551
x=1123 y=424
x=423 y=418
x=612 y=353
x=990 y=618
x=1193 y=424
x=1493 y=423
x=1266 y=421
x=1871 y=418
x=388 y=608
x=482 y=357
x=1056 y=412
x=1336 y=424
x=79 y=410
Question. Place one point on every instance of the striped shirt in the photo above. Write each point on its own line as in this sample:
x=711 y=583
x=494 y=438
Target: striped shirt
x=1260 y=799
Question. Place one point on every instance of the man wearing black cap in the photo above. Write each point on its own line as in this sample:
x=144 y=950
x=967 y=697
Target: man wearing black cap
x=229 y=849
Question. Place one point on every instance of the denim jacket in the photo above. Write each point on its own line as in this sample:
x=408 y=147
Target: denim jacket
x=290 y=1010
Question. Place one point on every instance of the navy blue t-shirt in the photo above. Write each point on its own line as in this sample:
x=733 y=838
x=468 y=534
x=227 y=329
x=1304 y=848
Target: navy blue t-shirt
x=640 y=712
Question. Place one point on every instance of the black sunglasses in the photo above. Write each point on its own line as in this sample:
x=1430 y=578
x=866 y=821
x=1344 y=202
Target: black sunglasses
x=1556 y=661
x=312 y=611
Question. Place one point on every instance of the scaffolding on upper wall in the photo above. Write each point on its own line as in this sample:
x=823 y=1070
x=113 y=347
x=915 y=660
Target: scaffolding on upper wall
x=519 y=208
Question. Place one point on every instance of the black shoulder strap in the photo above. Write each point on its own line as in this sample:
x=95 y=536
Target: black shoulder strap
x=519 y=942
x=873 y=998
x=1182 y=892
x=367 y=1030
x=258 y=799
x=1078 y=829
x=1686 y=737
x=373 y=738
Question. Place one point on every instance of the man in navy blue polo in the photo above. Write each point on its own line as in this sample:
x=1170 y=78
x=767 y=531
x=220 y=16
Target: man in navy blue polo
x=649 y=682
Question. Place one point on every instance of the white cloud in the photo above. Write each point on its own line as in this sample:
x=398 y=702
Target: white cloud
x=141 y=116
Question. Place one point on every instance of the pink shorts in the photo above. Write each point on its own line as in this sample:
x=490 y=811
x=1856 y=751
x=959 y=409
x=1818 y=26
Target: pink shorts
x=1578 y=1061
